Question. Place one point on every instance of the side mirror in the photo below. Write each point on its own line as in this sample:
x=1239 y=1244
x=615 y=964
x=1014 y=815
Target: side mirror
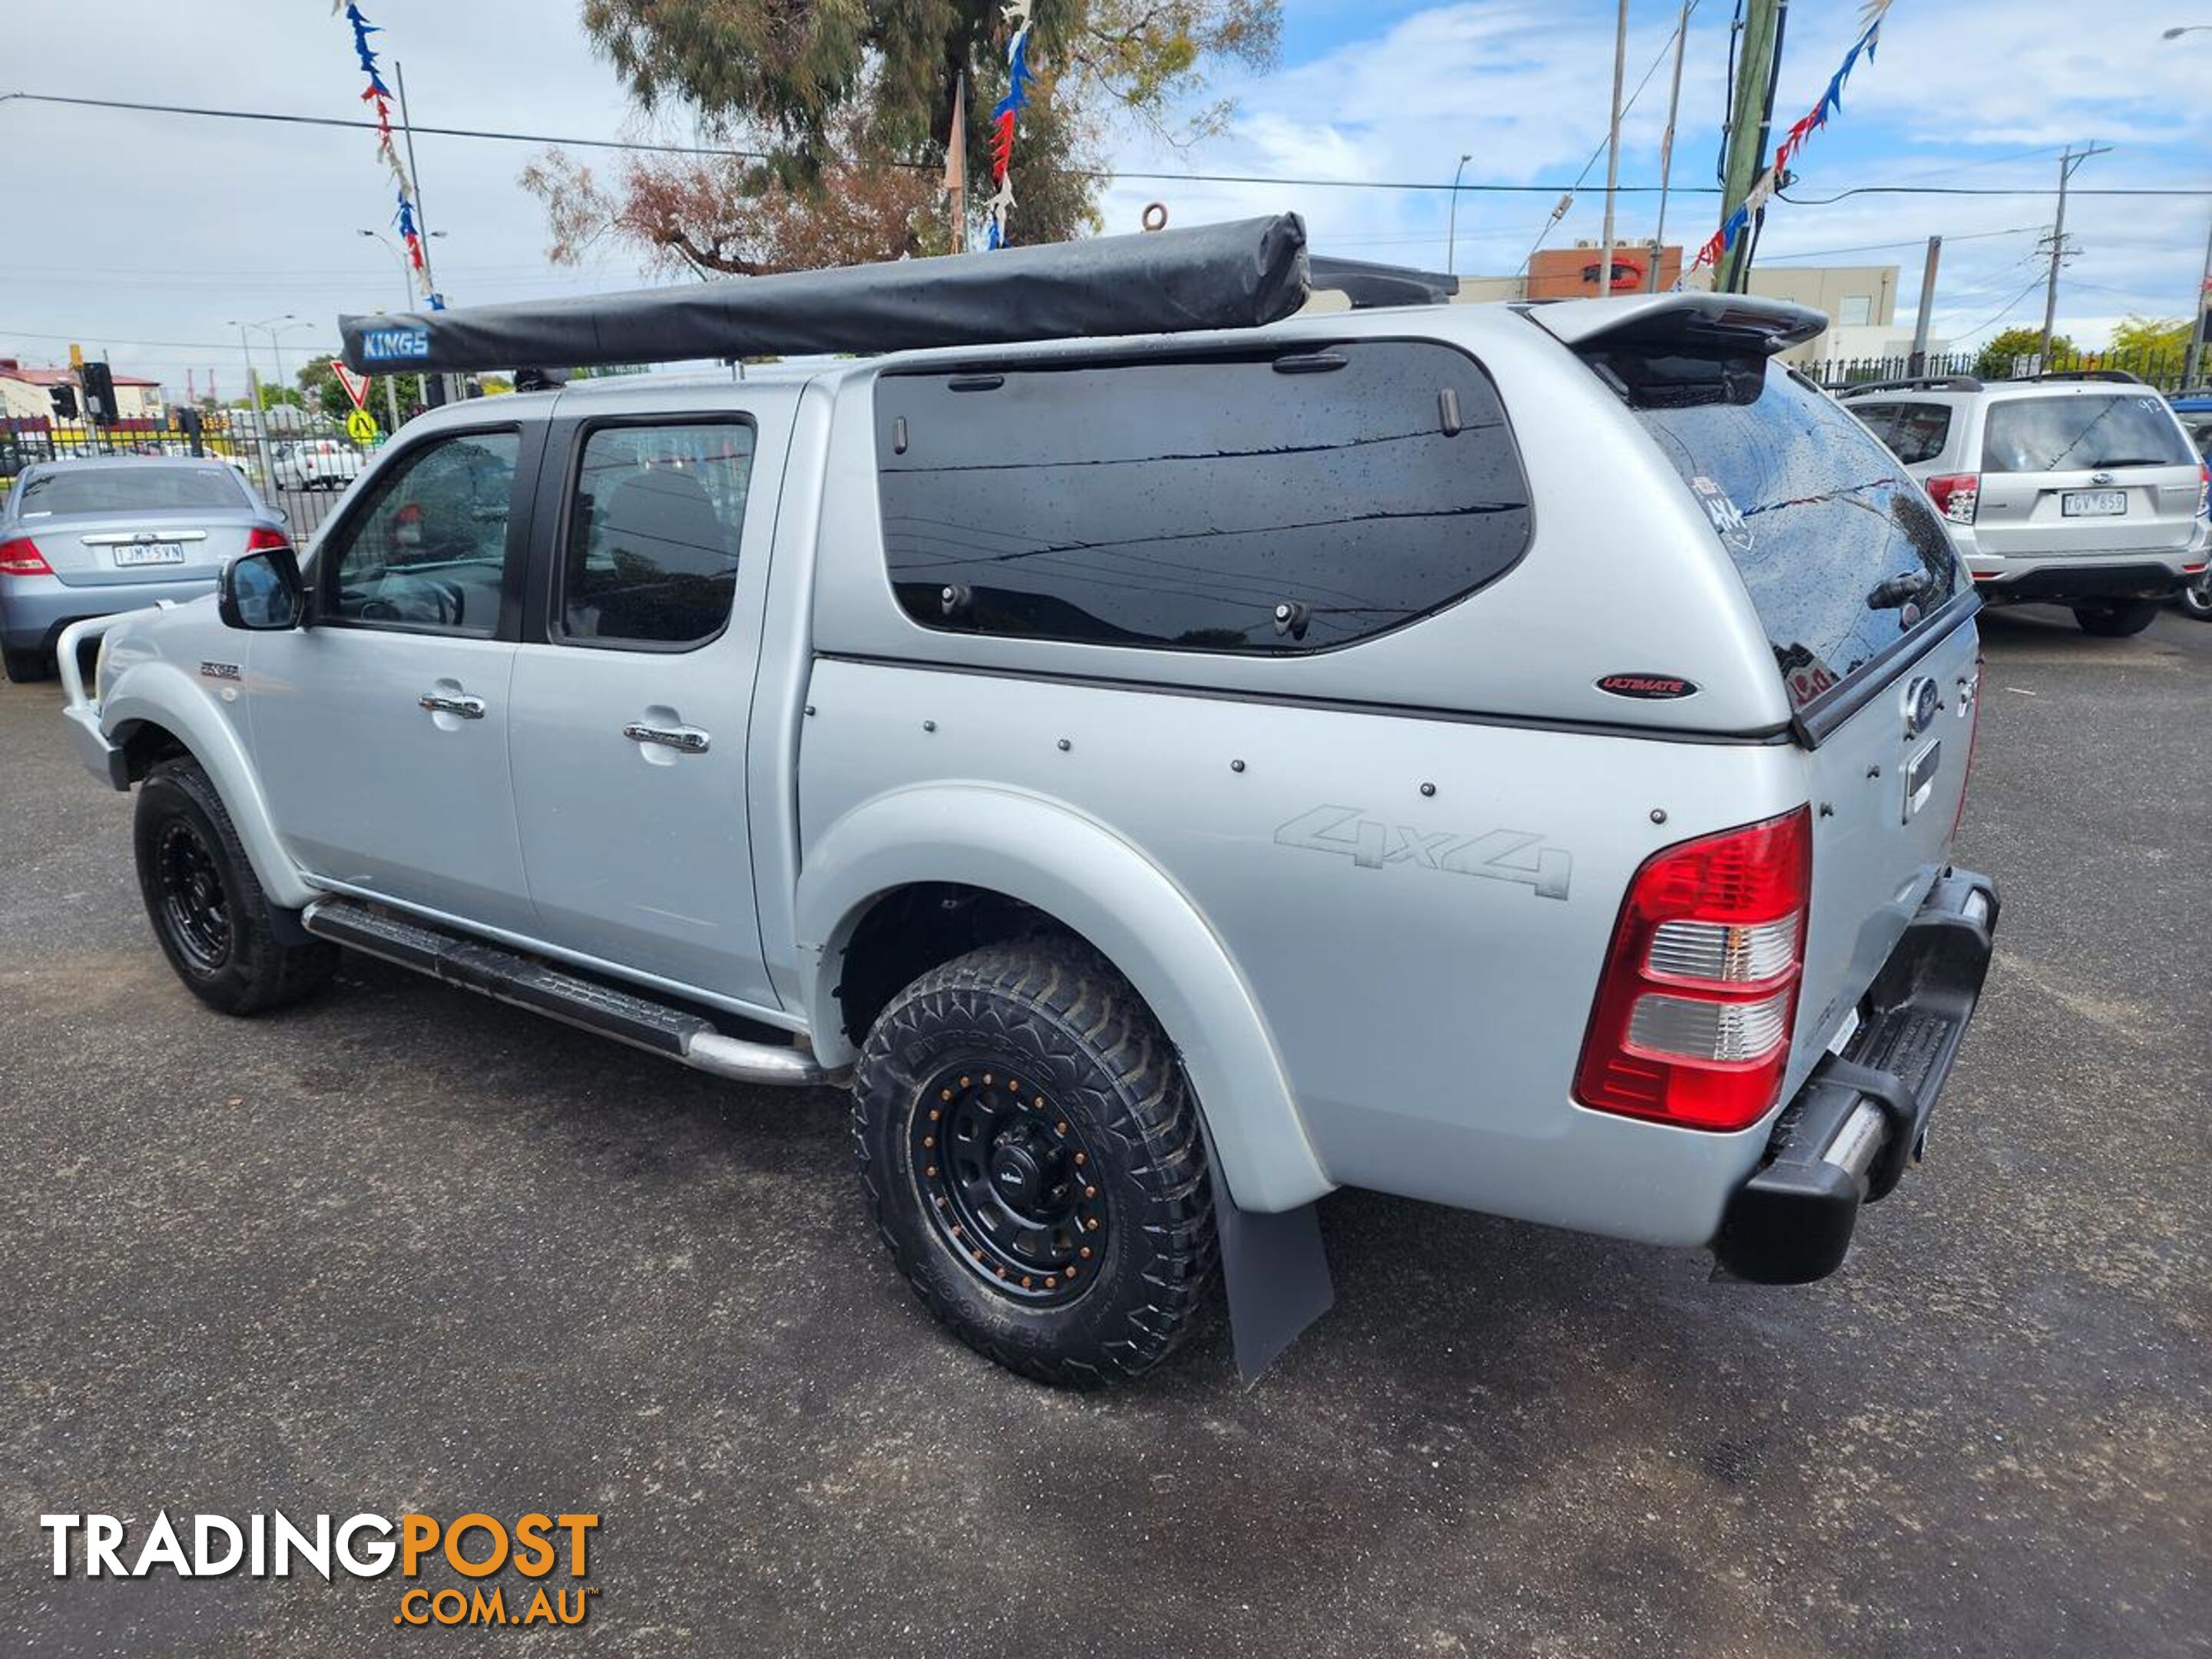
x=261 y=591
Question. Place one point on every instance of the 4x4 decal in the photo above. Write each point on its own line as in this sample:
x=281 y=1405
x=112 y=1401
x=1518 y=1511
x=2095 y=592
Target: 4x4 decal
x=1500 y=854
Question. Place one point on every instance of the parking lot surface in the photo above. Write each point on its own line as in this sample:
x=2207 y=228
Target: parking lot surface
x=407 y=1249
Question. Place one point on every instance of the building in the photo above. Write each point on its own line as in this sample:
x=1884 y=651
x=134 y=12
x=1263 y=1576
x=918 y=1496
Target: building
x=27 y=393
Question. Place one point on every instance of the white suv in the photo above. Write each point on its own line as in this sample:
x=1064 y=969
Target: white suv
x=2079 y=489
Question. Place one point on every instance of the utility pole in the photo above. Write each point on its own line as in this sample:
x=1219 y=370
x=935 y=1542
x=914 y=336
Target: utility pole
x=1751 y=107
x=421 y=220
x=2066 y=163
x=2196 y=334
x=955 y=163
x=1918 y=365
x=1611 y=152
x=1667 y=150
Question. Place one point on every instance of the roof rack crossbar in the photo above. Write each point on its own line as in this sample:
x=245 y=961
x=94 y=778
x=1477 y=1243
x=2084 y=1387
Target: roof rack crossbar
x=2120 y=374
x=1915 y=383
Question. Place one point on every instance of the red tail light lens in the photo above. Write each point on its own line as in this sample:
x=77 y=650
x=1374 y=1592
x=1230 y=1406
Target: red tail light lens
x=1693 y=1015
x=1956 y=495
x=2204 y=491
x=20 y=557
x=262 y=539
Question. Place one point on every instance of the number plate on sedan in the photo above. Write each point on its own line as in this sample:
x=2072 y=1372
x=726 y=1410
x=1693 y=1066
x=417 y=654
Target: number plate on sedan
x=2093 y=503
x=137 y=553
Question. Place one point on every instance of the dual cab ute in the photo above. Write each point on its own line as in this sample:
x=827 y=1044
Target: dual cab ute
x=1172 y=753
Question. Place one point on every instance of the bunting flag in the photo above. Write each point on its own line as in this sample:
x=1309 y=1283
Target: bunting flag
x=1003 y=114
x=379 y=97
x=1799 y=133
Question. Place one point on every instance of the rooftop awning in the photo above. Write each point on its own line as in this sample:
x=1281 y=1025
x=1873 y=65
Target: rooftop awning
x=1231 y=275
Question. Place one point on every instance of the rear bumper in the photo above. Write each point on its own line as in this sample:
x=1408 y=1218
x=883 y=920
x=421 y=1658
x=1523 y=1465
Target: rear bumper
x=33 y=609
x=1862 y=1118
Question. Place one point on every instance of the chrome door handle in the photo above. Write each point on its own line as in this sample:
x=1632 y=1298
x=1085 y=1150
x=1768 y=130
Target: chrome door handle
x=688 y=739
x=438 y=703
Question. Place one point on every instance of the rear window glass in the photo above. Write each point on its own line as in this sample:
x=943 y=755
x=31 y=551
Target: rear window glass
x=1273 y=504
x=1840 y=550
x=1913 y=432
x=2071 y=434
x=150 y=489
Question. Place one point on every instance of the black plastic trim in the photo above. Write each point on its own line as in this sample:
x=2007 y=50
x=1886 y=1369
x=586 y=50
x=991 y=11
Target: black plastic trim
x=1792 y=1222
x=1766 y=737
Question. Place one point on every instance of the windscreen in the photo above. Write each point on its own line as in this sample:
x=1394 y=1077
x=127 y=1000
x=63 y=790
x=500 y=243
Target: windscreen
x=1839 y=548
x=2078 y=433
x=150 y=489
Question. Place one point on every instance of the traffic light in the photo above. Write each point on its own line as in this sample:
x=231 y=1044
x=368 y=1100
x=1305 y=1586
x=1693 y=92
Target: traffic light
x=99 y=405
x=63 y=399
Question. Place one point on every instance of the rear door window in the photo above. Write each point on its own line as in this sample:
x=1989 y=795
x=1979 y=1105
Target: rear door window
x=1289 y=502
x=652 y=556
x=1915 y=433
x=2081 y=433
x=1839 y=548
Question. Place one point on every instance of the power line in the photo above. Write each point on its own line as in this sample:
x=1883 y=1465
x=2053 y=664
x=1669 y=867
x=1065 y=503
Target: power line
x=1107 y=175
x=1880 y=247
x=2011 y=306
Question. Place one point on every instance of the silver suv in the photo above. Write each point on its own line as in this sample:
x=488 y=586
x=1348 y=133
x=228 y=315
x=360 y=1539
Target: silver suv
x=2077 y=489
x=1504 y=756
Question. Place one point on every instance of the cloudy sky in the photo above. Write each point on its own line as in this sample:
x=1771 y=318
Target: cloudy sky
x=152 y=236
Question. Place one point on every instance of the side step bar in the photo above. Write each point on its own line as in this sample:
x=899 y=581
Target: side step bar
x=528 y=982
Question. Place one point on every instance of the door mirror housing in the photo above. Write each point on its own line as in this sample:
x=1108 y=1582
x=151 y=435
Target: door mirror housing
x=261 y=591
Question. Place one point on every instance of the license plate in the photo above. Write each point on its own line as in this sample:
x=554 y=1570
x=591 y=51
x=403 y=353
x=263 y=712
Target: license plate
x=2093 y=503
x=139 y=553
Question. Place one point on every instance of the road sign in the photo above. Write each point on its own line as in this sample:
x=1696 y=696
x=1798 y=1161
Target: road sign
x=361 y=427
x=356 y=385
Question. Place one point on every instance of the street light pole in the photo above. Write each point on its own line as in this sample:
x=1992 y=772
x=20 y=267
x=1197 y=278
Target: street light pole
x=2203 y=309
x=1667 y=149
x=1612 y=150
x=1451 y=220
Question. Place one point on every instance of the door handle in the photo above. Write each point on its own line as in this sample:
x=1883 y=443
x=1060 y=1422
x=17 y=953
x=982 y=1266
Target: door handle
x=441 y=703
x=686 y=740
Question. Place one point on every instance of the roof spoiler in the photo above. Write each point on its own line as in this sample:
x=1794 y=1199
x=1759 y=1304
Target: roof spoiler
x=1689 y=322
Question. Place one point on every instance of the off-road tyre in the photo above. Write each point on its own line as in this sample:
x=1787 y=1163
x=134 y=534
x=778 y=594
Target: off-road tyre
x=24 y=667
x=2116 y=620
x=214 y=922
x=1095 y=1071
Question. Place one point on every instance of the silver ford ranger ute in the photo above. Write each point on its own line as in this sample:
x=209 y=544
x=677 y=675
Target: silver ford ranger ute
x=1504 y=756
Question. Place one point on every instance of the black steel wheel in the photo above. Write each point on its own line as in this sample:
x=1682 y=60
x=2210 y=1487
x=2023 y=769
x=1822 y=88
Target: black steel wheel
x=1033 y=1159
x=217 y=927
x=195 y=908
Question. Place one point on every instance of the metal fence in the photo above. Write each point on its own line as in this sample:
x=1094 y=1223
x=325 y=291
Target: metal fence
x=274 y=460
x=2163 y=370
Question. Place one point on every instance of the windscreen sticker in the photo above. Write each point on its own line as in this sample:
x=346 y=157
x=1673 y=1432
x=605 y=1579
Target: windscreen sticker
x=1729 y=522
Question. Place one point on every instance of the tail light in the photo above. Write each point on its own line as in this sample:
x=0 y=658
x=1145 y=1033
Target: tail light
x=20 y=557
x=2204 y=491
x=1956 y=495
x=262 y=539
x=1693 y=1015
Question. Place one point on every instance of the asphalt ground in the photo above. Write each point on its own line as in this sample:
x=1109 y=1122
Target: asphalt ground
x=408 y=1250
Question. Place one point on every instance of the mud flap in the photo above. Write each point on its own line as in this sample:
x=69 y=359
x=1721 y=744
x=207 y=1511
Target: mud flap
x=1276 y=1271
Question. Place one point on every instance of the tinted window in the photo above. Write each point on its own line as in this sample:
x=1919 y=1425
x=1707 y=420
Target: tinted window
x=150 y=489
x=1268 y=504
x=429 y=549
x=2066 y=435
x=653 y=534
x=1840 y=550
x=1914 y=432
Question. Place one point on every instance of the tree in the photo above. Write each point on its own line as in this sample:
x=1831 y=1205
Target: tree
x=2146 y=337
x=1995 y=361
x=842 y=114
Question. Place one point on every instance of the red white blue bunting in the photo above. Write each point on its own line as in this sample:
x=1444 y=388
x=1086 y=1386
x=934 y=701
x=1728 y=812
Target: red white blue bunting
x=1800 y=132
x=1003 y=114
x=377 y=97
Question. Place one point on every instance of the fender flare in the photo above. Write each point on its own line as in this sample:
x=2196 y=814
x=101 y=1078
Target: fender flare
x=158 y=693
x=1088 y=879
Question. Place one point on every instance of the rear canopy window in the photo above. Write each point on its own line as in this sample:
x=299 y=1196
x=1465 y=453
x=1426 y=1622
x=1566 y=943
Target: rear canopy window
x=2077 y=432
x=1913 y=432
x=1841 y=553
x=1280 y=503
x=150 y=489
